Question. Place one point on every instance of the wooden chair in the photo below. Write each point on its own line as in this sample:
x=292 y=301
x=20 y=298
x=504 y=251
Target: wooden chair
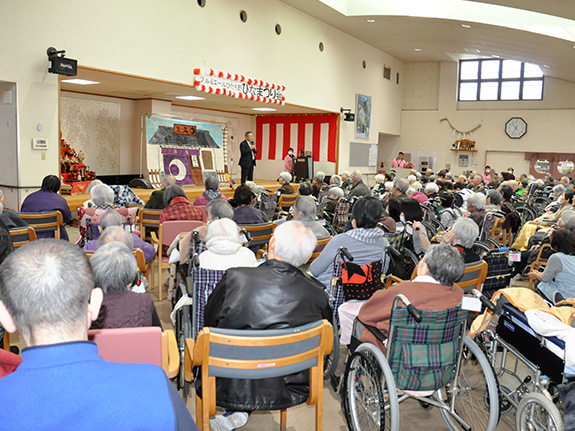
x=496 y=231
x=22 y=236
x=321 y=243
x=42 y=222
x=285 y=202
x=167 y=232
x=148 y=219
x=538 y=264
x=147 y=345
x=260 y=234
x=6 y=341
x=228 y=353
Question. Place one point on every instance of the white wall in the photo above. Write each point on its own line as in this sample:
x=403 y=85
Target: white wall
x=167 y=40
x=551 y=122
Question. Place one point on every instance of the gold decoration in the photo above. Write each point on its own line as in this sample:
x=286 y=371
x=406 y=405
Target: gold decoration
x=460 y=133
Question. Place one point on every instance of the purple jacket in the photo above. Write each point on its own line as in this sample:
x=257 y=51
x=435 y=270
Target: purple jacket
x=46 y=201
x=147 y=248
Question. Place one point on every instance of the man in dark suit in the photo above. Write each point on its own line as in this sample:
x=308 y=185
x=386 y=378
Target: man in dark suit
x=248 y=152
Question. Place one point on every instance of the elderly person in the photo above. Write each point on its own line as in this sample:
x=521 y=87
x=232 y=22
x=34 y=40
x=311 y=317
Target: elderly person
x=103 y=197
x=156 y=200
x=365 y=242
x=410 y=219
x=400 y=187
x=335 y=181
x=359 y=189
x=476 y=208
x=418 y=196
x=113 y=218
x=493 y=201
x=379 y=187
x=211 y=192
x=431 y=190
x=346 y=181
x=462 y=235
x=115 y=270
x=49 y=296
x=318 y=184
x=305 y=189
x=275 y=295
x=8 y=217
x=434 y=288
x=335 y=194
x=477 y=184
x=305 y=210
x=215 y=210
x=245 y=213
x=285 y=186
x=48 y=199
x=178 y=207
x=89 y=203
x=224 y=247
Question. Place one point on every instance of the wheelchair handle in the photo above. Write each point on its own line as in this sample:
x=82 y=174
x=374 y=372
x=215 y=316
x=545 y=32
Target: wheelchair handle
x=484 y=300
x=195 y=237
x=415 y=313
x=344 y=252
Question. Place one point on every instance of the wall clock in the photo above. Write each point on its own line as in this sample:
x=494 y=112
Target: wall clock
x=516 y=127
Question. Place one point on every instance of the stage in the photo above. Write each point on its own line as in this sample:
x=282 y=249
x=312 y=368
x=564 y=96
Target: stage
x=192 y=192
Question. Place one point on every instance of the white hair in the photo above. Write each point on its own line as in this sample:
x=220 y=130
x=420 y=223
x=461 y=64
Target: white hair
x=410 y=191
x=416 y=185
x=388 y=185
x=476 y=200
x=431 y=188
x=336 y=192
x=294 y=242
x=223 y=229
x=345 y=174
x=357 y=176
x=116 y=234
x=102 y=194
x=92 y=185
x=336 y=179
x=466 y=231
x=379 y=178
x=411 y=179
x=251 y=185
x=320 y=176
x=286 y=176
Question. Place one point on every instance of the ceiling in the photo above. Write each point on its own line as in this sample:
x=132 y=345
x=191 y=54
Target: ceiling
x=399 y=34
x=138 y=88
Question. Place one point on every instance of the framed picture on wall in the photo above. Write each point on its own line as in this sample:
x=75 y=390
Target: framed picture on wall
x=362 y=116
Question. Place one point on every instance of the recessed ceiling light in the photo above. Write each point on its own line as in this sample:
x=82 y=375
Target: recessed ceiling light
x=466 y=50
x=190 y=98
x=479 y=52
x=547 y=66
x=496 y=56
x=370 y=20
x=79 y=81
x=263 y=109
x=417 y=49
x=465 y=26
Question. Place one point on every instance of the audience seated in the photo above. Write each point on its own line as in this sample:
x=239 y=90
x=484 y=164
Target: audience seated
x=224 y=247
x=477 y=184
x=359 y=189
x=274 y=295
x=411 y=212
x=400 y=187
x=462 y=235
x=8 y=217
x=335 y=181
x=493 y=201
x=476 y=208
x=318 y=183
x=305 y=189
x=335 y=194
x=245 y=213
x=305 y=210
x=434 y=288
x=89 y=203
x=365 y=242
x=379 y=187
x=178 y=207
x=48 y=199
x=115 y=271
x=346 y=181
x=103 y=197
x=113 y=218
x=446 y=215
x=49 y=297
x=285 y=186
x=211 y=192
x=431 y=190
x=156 y=201
x=418 y=196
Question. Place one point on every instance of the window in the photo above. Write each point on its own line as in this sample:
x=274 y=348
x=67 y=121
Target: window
x=485 y=80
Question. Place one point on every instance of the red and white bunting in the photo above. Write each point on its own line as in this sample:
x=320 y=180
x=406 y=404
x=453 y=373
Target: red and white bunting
x=238 y=86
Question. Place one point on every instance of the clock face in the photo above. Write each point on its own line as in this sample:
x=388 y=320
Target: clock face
x=516 y=127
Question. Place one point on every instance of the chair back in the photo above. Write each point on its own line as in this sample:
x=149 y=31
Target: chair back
x=285 y=202
x=148 y=219
x=204 y=282
x=22 y=236
x=473 y=276
x=395 y=239
x=424 y=356
x=260 y=233
x=42 y=222
x=496 y=229
x=267 y=204
x=170 y=229
x=321 y=243
x=138 y=345
x=140 y=259
x=204 y=211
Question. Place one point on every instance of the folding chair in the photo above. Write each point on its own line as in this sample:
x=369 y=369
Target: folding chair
x=285 y=202
x=147 y=345
x=229 y=353
x=42 y=222
x=22 y=236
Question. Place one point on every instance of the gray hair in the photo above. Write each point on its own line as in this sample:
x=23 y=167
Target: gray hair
x=445 y=264
x=169 y=180
x=559 y=189
x=92 y=185
x=219 y=208
x=476 y=200
x=568 y=218
x=251 y=185
x=286 y=176
x=357 y=176
x=345 y=174
x=431 y=188
x=306 y=206
x=494 y=197
x=211 y=183
x=114 y=266
x=294 y=242
x=102 y=195
x=1 y=207
x=402 y=184
x=223 y=229
x=388 y=185
x=379 y=178
x=336 y=179
x=172 y=192
x=336 y=192
x=466 y=231
x=411 y=178
x=410 y=191
x=110 y=218
x=116 y=234
x=320 y=176
x=46 y=284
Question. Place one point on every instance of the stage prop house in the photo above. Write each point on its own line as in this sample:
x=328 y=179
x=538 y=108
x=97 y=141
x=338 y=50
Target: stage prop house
x=188 y=150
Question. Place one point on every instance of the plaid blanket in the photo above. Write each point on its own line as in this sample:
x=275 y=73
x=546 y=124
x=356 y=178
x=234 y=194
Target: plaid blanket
x=204 y=280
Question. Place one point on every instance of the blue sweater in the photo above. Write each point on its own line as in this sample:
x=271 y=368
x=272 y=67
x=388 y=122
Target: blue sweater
x=68 y=386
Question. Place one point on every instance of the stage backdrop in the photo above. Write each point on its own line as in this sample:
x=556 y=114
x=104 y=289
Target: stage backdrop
x=275 y=134
x=189 y=150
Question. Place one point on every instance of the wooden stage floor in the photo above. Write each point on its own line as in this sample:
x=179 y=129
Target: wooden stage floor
x=192 y=192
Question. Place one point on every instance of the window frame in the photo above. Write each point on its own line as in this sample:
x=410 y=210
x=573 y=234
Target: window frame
x=499 y=80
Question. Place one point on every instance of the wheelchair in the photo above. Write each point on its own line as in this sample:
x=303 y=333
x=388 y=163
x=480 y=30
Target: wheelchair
x=429 y=358
x=509 y=342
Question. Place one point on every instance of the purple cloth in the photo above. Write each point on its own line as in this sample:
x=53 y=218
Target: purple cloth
x=248 y=215
x=124 y=309
x=146 y=247
x=201 y=200
x=46 y=201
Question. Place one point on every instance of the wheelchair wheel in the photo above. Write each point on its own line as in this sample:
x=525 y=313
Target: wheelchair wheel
x=331 y=360
x=537 y=412
x=474 y=394
x=184 y=323
x=410 y=261
x=369 y=394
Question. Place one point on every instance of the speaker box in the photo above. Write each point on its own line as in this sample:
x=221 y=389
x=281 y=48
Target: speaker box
x=140 y=183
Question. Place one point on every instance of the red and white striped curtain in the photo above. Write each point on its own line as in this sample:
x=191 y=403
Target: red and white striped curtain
x=275 y=134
